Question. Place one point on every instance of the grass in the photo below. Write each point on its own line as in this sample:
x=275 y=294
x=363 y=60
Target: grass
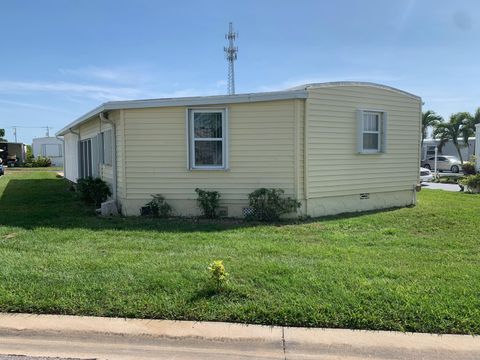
x=412 y=269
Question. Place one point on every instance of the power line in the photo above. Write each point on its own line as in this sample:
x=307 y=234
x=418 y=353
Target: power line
x=15 y=127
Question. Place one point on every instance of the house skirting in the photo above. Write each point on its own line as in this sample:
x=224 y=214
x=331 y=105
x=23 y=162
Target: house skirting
x=314 y=207
x=354 y=203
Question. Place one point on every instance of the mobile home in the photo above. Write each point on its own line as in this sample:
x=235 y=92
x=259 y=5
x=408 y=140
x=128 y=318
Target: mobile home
x=449 y=148
x=50 y=147
x=335 y=147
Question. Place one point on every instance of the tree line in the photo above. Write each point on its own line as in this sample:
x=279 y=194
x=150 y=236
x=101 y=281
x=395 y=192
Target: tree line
x=458 y=128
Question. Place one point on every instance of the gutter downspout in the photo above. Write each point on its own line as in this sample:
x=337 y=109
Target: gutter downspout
x=78 y=154
x=104 y=118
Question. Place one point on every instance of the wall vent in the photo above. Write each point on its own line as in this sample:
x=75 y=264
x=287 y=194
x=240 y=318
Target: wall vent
x=223 y=211
x=364 y=196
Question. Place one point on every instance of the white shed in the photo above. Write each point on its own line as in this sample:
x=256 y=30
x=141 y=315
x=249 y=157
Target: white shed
x=50 y=147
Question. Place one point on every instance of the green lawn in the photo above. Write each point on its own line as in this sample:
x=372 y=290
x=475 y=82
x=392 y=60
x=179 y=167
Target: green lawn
x=412 y=269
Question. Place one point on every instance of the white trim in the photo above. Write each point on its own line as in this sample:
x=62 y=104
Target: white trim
x=187 y=136
x=191 y=138
x=380 y=132
x=186 y=101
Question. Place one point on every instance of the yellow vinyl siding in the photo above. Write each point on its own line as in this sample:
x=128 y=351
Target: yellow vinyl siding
x=89 y=129
x=120 y=153
x=334 y=166
x=300 y=148
x=261 y=144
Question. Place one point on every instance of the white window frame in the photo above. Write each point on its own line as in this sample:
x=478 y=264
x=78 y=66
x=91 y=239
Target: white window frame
x=381 y=132
x=86 y=157
x=44 y=150
x=191 y=138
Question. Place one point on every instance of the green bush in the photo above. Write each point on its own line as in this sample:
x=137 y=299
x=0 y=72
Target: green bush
x=468 y=168
x=472 y=182
x=93 y=191
x=158 y=207
x=218 y=274
x=270 y=204
x=208 y=201
x=40 y=161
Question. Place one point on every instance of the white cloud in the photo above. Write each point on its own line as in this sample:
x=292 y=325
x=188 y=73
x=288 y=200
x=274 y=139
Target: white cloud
x=115 y=74
x=96 y=92
x=31 y=106
x=290 y=83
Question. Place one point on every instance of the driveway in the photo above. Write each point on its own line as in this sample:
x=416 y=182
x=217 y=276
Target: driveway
x=440 y=186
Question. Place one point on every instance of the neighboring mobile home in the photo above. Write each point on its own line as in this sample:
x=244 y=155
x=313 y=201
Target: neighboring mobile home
x=336 y=147
x=449 y=148
x=50 y=147
x=13 y=153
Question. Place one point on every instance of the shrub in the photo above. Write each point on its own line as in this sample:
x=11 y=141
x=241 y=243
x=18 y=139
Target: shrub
x=472 y=182
x=218 y=274
x=469 y=168
x=93 y=190
x=269 y=204
x=40 y=161
x=157 y=207
x=208 y=201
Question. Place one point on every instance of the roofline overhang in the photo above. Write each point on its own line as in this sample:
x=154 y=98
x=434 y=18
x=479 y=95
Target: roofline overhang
x=298 y=92
x=354 y=83
x=185 y=101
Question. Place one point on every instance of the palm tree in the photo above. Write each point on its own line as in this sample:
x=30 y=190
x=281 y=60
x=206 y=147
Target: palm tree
x=429 y=119
x=452 y=131
x=470 y=123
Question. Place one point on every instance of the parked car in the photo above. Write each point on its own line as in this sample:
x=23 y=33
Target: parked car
x=444 y=163
x=425 y=175
x=2 y=171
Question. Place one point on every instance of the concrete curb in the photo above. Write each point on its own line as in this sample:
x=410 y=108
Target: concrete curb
x=222 y=338
x=212 y=331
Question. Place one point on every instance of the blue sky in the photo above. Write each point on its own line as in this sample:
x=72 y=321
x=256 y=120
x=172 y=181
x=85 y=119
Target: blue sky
x=61 y=58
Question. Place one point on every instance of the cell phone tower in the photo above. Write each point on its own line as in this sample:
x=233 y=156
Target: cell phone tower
x=231 y=55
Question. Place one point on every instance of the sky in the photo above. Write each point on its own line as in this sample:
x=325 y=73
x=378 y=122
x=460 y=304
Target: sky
x=59 y=59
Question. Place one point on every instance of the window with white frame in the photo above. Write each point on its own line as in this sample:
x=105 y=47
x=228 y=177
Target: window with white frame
x=207 y=139
x=51 y=150
x=107 y=148
x=372 y=132
x=85 y=155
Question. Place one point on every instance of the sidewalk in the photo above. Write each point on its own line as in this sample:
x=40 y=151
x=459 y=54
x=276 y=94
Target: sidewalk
x=114 y=338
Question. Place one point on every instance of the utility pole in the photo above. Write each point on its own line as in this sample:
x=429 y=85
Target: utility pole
x=231 y=55
x=15 y=132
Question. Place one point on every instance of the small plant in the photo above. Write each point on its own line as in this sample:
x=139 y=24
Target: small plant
x=40 y=161
x=218 y=274
x=208 y=201
x=472 y=183
x=93 y=191
x=157 y=207
x=270 y=204
x=468 y=168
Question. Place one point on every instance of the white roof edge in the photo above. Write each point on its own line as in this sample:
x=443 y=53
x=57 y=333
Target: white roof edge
x=186 y=101
x=354 y=83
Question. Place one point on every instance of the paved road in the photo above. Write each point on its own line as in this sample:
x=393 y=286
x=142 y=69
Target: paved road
x=439 y=186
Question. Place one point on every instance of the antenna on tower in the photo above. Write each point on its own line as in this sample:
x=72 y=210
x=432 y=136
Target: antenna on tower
x=231 y=55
